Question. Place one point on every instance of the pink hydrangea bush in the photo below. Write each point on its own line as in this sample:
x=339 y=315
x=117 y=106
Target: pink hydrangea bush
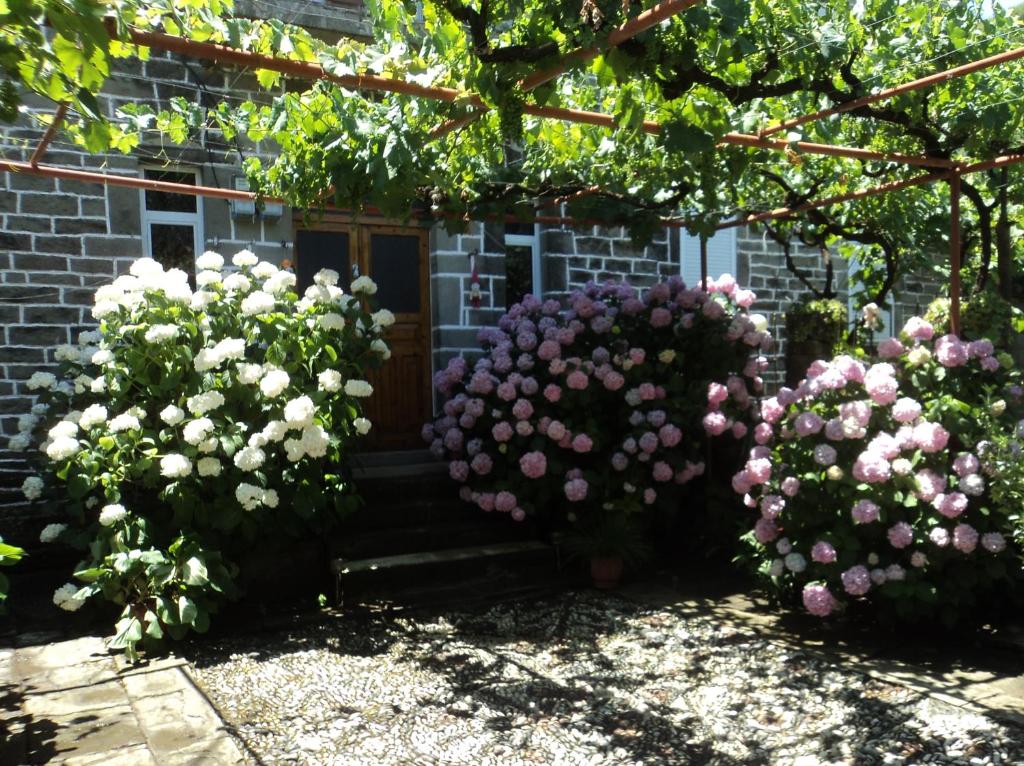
x=866 y=484
x=600 y=404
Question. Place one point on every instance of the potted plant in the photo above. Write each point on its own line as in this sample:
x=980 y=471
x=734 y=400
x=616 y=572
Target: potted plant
x=611 y=542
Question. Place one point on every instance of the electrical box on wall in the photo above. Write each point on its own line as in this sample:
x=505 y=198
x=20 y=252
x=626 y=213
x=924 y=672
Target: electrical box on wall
x=247 y=208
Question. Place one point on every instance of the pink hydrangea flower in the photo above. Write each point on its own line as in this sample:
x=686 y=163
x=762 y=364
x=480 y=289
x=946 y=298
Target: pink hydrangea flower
x=662 y=471
x=990 y=364
x=880 y=383
x=582 y=443
x=808 y=423
x=818 y=600
x=825 y=454
x=715 y=423
x=577 y=380
x=637 y=355
x=502 y=431
x=552 y=392
x=648 y=442
x=930 y=437
x=951 y=505
x=856 y=580
x=790 y=486
x=966 y=464
x=763 y=433
x=850 y=368
x=613 y=380
x=549 y=349
x=486 y=500
x=993 y=542
x=980 y=348
x=965 y=538
x=939 y=536
x=459 y=470
x=765 y=530
x=744 y=298
x=533 y=465
x=741 y=483
x=453 y=439
x=576 y=489
x=717 y=393
x=864 y=512
x=917 y=328
x=482 y=464
x=670 y=435
x=823 y=553
x=504 y=502
x=759 y=470
x=906 y=410
x=619 y=461
x=872 y=468
x=506 y=391
x=890 y=348
x=522 y=409
x=661 y=317
x=518 y=514
x=772 y=505
x=739 y=430
x=650 y=495
x=557 y=366
x=885 y=445
x=929 y=485
x=900 y=534
x=771 y=410
x=951 y=351
x=858 y=412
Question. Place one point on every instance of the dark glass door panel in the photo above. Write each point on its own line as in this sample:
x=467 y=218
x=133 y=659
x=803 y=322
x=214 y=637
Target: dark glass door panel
x=173 y=245
x=395 y=267
x=317 y=250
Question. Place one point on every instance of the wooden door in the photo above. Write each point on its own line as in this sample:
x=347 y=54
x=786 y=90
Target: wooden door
x=396 y=259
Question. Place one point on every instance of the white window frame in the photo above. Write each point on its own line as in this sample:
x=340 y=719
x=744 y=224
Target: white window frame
x=148 y=217
x=531 y=241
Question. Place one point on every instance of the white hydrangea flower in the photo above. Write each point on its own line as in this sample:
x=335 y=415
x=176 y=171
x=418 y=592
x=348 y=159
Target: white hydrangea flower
x=244 y=258
x=230 y=348
x=972 y=484
x=299 y=412
x=40 y=380
x=111 y=514
x=249 y=373
x=93 y=415
x=358 y=388
x=258 y=302
x=210 y=260
x=124 y=422
x=66 y=597
x=275 y=430
x=61 y=449
x=207 y=445
x=208 y=467
x=315 y=441
x=362 y=426
x=364 y=285
x=98 y=386
x=760 y=322
x=258 y=440
x=27 y=422
x=249 y=496
x=270 y=498
x=280 y=282
x=777 y=568
x=324 y=293
x=172 y=415
x=330 y=380
x=51 y=532
x=145 y=267
x=206 y=359
x=104 y=309
x=332 y=321
x=65 y=353
x=264 y=270
x=19 y=442
x=103 y=356
x=326 y=277
x=63 y=428
x=274 y=383
x=92 y=502
x=238 y=283
x=32 y=487
x=207 y=278
x=383 y=318
x=197 y=430
x=82 y=383
x=378 y=346
x=294 y=450
x=178 y=292
x=175 y=466
x=249 y=458
x=918 y=355
x=89 y=336
x=205 y=402
x=200 y=300
x=795 y=562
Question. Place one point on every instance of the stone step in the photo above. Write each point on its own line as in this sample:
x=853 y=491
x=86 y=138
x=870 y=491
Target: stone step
x=466 y=529
x=424 y=572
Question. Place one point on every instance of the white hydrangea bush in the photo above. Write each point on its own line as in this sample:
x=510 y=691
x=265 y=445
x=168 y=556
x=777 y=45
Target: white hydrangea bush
x=197 y=422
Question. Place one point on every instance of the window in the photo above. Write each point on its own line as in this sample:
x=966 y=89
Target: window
x=721 y=256
x=172 y=224
x=522 y=262
x=855 y=301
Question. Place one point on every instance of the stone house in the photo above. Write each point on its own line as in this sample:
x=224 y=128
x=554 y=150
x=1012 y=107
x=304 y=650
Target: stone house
x=60 y=239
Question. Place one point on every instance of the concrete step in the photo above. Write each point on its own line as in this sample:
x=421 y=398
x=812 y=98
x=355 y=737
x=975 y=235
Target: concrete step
x=466 y=529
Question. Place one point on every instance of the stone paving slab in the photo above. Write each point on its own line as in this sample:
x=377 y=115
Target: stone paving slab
x=74 y=703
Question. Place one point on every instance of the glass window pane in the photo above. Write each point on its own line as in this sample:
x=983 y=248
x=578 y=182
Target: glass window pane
x=174 y=245
x=168 y=201
x=315 y=250
x=395 y=267
x=518 y=273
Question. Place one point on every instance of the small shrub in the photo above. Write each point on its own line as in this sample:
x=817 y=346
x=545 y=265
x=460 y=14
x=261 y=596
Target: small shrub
x=201 y=425
x=868 y=483
x=9 y=556
x=598 y=407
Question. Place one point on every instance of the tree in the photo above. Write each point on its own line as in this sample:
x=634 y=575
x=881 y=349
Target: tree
x=719 y=66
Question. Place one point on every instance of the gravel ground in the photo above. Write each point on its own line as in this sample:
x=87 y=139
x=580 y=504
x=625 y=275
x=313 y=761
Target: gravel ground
x=579 y=679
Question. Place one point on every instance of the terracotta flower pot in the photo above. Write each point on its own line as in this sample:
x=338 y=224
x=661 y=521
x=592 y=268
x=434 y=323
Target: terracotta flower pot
x=606 y=571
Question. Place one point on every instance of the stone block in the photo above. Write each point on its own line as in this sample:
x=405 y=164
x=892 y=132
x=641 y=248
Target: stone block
x=593 y=246
x=34 y=659
x=55 y=315
x=113 y=246
x=28 y=223
x=8 y=201
x=104 y=266
x=40 y=262
x=52 y=279
x=25 y=182
x=44 y=243
x=80 y=225
x=42 y=335
x=133 y=755
x=93 y=206
x=124 y=205
x=98 y=733
x=12 y=241
x=78 y=695
x=216 y=751
x=48 y=204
